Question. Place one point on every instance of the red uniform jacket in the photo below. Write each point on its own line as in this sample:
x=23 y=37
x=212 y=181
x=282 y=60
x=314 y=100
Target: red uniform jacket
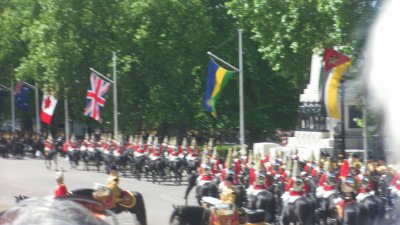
x=60 y=191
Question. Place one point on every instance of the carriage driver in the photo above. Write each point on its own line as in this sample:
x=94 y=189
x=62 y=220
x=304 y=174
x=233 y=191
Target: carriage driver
x=112 y=185
x=61 y=190
x=228 y=195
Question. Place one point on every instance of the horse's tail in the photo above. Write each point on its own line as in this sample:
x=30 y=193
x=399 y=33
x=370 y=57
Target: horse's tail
x=139 y=209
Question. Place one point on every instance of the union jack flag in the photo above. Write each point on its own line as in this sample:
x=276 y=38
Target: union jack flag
x=95 y=96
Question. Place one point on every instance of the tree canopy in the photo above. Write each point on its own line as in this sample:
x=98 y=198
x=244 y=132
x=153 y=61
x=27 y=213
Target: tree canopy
x=162 y=61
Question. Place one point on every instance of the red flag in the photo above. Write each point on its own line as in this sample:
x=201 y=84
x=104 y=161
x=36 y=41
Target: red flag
x=48 y=105
x=333 y=59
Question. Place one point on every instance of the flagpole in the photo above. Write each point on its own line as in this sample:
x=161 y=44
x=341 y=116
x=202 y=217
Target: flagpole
x=115 y=97
x=66 y=113
x=241 y=102
x=365 y=129
x=38 y=128
x=12 y=107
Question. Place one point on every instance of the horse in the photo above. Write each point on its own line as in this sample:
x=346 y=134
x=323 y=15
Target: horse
x=189 y=215
x=383 y=189
x=300 y=211
x=327 y=207
x=138 y=209
x=49 y=156
x=354 y=214
x=264 y=200
x=374 y=209
x=206 y=189
x=176 y=167
x=157 y=167
x=139 y=162
x=74 y=156
x=86 y=157
x=192 y=164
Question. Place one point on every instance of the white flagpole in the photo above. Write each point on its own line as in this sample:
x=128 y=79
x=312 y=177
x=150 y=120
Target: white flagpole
x=115 y=97
x=241 y=102
x=38 y=128
x=365 y=130
x=66 y=112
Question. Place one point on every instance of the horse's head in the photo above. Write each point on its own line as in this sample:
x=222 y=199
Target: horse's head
x=176 y=216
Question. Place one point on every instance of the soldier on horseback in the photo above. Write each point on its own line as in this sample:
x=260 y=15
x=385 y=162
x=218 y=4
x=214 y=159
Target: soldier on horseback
x=216 y=165
x=205 y=174
x=260 y=179
x=347 y=188
x=229 y=170
x=112 y=185
x=48 y=144
x=155 y=151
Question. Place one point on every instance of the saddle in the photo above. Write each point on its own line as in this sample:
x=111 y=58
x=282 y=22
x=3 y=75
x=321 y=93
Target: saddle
x=104 y=196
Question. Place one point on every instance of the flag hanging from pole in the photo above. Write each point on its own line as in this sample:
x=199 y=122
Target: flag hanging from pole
x=48 y=105
x=95 y=96
x=21 y=96
x=335 y=64
x=216 y=81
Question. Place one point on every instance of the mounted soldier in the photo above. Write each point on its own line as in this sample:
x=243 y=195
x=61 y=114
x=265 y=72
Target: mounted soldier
x=155 y=151
x=260 y=179
x=295 y=206
x=85 y=142
x=258 y=196
x=229 y=170
x=216 y=164
x=193 y=157
x=49 y=145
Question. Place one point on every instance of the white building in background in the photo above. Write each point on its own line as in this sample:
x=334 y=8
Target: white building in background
x=311 y=142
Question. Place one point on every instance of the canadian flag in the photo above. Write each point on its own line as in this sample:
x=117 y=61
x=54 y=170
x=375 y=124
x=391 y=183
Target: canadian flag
x=48 y=105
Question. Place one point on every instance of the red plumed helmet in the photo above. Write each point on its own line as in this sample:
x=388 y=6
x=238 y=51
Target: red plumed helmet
x=344 y=169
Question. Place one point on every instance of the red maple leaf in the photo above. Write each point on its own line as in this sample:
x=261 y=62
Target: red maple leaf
x=47 y=102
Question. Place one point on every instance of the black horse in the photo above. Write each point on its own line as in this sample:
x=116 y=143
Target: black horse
x=264 y=200
x=176 y=167
x=139 y=208
x=327 y=207
x=50 y=156
x=157 y=169
x=189 y=215
x=139 y=162
x=74 y=157
x=206 y=189
x=300 y=211
x=374 y=209
x=354 y=214
x=192 y=164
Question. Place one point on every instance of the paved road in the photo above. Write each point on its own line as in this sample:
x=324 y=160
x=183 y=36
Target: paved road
x=30 y=177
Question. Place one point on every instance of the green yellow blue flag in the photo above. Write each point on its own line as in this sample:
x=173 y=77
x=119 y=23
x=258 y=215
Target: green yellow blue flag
x=217 y=79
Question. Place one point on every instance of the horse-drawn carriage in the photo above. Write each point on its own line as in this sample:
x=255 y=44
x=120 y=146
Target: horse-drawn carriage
x=99 y=202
